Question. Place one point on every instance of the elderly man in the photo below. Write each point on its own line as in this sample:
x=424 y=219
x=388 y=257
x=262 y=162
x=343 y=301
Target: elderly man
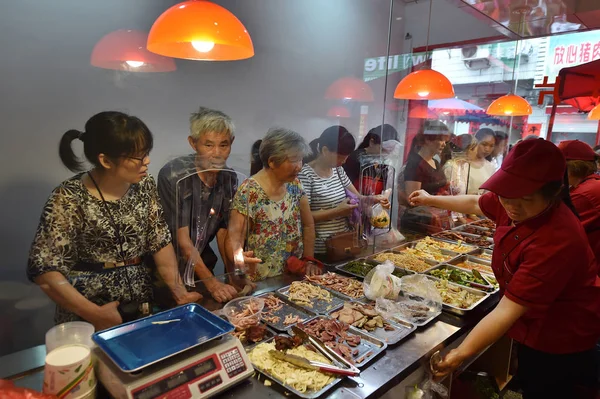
x=196 y=193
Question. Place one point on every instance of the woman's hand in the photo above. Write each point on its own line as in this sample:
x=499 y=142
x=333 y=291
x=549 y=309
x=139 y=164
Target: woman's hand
x=220 y=292
x=345 y=208
x=449 y=363
x=383 y=201
x=312 y=269
x=247 y=262
x=419 y=198
x=188 y=297
x=106 y=316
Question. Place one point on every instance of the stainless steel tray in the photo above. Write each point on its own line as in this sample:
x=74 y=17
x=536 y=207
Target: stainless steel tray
x=398 y=250
x=288 y=307
x=476 y=230
x=334 y=291
x=486 y=265
x=402 y=328
x=400 y=272
x=319 y=306
x=468 y=247
x=489 y=241
x=478 y=253
x=491 y=289
x=307 y=394
x=343 y=266
x=462 y=311
x=369 y=347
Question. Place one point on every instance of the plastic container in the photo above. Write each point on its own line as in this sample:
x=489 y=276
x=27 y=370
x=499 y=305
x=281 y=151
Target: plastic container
x=244 y=312
x=69 y=372
x=71 y=333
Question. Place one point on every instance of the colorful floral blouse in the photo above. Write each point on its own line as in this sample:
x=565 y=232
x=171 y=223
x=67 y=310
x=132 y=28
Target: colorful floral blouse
x=275 y=227
x=75 y=226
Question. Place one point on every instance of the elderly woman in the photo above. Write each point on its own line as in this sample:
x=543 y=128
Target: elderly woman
x=272 y=208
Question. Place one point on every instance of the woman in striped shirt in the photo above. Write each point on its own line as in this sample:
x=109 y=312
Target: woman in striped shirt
x=325 y=184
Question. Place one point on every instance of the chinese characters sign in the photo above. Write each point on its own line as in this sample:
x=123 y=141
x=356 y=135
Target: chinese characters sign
x=570 y=50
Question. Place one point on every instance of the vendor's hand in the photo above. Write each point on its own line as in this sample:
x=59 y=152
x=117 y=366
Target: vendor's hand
x=106 y=316
x=345 y=208
x=188 y=297
x=383 y=201
x=247 y=263
x=221 y=292
x=419 y=198
x=449 y=363
x=312 y=269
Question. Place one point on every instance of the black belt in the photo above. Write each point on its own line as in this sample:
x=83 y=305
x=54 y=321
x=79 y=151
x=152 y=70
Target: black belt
x=100 y=267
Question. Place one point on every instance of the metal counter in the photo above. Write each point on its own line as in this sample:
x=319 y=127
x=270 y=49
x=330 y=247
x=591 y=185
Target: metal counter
x=384 y=373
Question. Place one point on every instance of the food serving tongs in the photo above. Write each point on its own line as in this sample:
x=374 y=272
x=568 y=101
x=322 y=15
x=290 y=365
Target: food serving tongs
x=350 y=369
x=309 y=364
x=456 y=279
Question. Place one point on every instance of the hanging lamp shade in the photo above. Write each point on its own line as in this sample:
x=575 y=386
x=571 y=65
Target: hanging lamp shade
x=425 y=84
x=350 y=88
x=509 y=105
x=200 y=30
x=338 y=111
x=595 y=113
x=125 y=50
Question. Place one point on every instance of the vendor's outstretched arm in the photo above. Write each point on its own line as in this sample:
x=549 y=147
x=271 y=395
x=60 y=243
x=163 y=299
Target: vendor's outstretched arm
x=468 y=204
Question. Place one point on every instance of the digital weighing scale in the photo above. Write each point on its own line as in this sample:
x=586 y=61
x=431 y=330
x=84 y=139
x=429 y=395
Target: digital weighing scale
x=199 y=372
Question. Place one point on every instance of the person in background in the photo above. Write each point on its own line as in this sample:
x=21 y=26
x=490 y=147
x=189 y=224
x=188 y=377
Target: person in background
x=480 y=168
x=196 y=195
x=325 y=183
x=547 y=272
x=597 y=151
x=500 y=149
x=255 y=163
x=457 y=169
x=97 y=226
x=370 y=146
x=273 y=208
x=423 y=171
x=584 y=187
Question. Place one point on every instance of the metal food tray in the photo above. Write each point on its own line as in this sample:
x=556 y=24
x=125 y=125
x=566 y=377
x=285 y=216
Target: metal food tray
x=470 y=247
x=473 y=259
x=398 y=250
x=137 y=344
x=342 y=269
x=464 y=227
x=288 y=307
x=368 y=349
x=307 y=394
x=319 y=306
x=476 y=254
x=460 y=311
x=402 y=328
x=488 y=239
x=334 y=291
x=448 y=266
x=268 y=335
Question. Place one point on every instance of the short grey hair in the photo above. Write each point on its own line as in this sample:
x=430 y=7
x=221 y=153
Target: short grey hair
x=278 y=143
x=207 y=120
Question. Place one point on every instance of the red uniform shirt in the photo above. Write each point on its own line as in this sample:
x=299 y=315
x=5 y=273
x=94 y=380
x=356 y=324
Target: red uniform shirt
x=586 y=198
x=546 y=264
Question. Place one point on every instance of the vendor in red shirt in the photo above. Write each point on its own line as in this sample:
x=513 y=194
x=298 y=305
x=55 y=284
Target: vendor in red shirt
x=585 y=188
x=546 y=270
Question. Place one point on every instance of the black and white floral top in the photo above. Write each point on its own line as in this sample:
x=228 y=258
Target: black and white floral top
x=75 y=227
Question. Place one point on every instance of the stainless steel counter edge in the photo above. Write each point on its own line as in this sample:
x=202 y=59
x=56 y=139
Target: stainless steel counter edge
x=388 y=370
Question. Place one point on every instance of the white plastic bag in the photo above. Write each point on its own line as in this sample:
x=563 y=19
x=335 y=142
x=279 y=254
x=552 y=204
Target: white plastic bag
x=419 y=300
x=427 y=390
x=381 y=283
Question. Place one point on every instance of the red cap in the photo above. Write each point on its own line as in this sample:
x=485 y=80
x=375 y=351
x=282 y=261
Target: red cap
x=577 y=150
x=528 y=167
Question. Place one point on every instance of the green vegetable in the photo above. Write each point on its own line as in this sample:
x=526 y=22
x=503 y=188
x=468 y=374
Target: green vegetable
x=400 y=273
x=358 y=267
x=456 y=276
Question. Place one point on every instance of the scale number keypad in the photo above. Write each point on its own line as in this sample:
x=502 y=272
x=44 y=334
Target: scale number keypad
x=233 y=362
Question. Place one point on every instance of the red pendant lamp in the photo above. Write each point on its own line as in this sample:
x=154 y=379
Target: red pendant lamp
x=125 y=50
x=200 y=30
x=595 y=113
x=338 y=111
x=512 y=104
x=350 y=88
x=425 y=84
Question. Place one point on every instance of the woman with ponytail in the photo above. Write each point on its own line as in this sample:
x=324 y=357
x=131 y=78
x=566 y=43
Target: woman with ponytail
x=547 y=273
x=97 y=227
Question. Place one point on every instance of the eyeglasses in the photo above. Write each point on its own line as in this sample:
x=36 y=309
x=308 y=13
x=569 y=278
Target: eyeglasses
x=140 y=160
